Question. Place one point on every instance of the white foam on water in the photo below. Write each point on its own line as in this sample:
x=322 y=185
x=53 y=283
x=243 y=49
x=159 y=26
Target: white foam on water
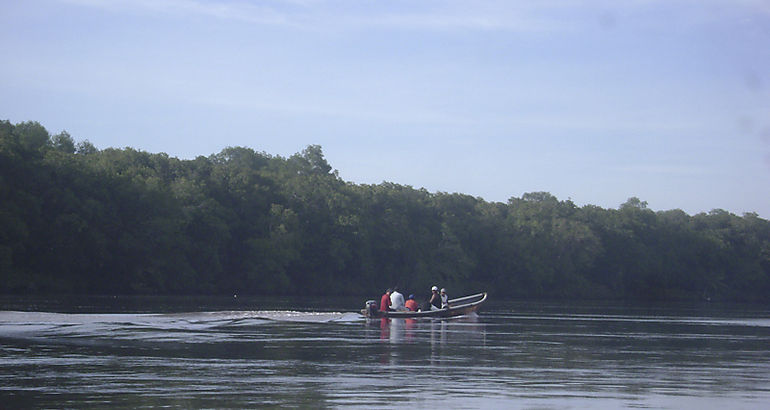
x=117 y=325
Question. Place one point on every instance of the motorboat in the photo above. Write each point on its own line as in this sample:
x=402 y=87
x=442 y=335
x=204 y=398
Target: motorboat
x=457 y=307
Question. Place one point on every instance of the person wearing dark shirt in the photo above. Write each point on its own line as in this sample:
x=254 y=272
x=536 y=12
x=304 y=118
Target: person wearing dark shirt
x=435 y=299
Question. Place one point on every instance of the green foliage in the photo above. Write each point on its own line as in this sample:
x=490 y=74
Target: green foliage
x=63 y=142
x=85 y=148
x=81 y=220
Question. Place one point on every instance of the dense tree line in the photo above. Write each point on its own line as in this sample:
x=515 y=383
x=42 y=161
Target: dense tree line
x=77 y=219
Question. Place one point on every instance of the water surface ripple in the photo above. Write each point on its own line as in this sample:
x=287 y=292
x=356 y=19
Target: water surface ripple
x=529 y=356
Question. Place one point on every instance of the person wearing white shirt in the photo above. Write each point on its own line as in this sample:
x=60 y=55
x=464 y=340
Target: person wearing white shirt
x=444 y=299
x=397 y=300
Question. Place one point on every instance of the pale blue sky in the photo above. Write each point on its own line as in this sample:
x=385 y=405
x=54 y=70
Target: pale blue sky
x=596 y=101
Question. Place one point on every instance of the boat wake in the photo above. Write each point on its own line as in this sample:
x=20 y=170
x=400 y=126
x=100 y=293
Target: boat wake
x=184 y=327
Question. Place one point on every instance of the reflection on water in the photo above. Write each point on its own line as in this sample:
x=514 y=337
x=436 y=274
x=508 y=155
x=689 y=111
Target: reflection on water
x=538 y=355
x=434 y=335
x=466 y=328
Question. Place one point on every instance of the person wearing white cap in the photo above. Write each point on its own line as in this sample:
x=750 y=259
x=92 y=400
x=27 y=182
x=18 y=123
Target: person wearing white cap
x=435 y=299
x=444 y=299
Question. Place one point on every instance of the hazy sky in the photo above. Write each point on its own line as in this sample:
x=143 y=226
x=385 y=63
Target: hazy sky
x=596 y=101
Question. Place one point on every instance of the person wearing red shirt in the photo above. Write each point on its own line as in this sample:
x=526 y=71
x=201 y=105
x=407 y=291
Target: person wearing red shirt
x=385 y=301
x=411 y=304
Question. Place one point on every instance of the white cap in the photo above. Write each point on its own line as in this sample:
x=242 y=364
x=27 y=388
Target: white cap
x=443 y=290
x=434 y=288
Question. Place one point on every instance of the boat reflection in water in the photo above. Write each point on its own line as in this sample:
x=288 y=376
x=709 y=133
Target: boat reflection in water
x=433 y=331
x=436 y=340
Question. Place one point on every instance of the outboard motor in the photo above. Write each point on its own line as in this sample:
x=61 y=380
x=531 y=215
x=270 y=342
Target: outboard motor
x=371 y=308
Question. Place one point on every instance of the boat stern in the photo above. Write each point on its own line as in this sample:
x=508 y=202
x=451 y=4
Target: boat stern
x=370 y=309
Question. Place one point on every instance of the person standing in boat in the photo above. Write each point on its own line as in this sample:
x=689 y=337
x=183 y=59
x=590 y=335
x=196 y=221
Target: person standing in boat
x=411 y=304
x=444 y=299
x=397 y=300
x=435 y=299
x=385 y=301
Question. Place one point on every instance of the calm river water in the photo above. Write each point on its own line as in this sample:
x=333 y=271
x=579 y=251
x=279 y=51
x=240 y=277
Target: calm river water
x=190 y=353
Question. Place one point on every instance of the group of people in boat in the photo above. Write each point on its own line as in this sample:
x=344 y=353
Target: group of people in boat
x=393 y=300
